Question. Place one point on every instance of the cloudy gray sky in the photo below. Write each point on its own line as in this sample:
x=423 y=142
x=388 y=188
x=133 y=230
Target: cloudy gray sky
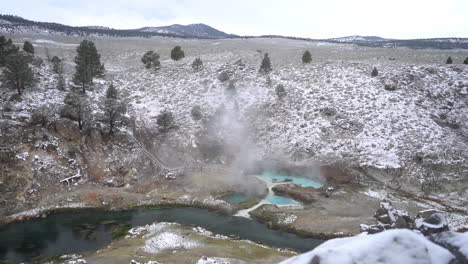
x=304 y=18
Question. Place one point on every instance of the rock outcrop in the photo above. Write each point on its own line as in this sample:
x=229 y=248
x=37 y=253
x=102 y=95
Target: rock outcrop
x=388 y=217
x=431 y=221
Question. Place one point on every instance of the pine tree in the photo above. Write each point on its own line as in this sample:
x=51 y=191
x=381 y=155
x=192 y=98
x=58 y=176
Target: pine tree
x=165 y=121
x=151 y=60
x=43 y=115
x=61 y=82
x=177 y=53
x=88 y=64
x=17 y=73
x=114 y=108
x=465 y=61
x=449 y=60
x=265 y=67
x=56 y=64
x=28 y=47
x=374 y=72
x=76 y=107
x=197 y=64
x=306 y=57
x=280 y=91
x=6 y=49
x=196 y=113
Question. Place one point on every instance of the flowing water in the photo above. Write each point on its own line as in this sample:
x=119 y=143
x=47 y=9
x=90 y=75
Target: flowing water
x=89 y=230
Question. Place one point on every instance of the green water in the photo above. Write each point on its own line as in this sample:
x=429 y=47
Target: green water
x=305 y=182
x=90 y=230
x=280 y=200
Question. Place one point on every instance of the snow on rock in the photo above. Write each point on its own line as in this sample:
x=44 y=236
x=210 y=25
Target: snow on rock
x=149 y=262
x=388 y=217
x=431 y=221
x=457 y=243
x=389 y=247
x=207 y=260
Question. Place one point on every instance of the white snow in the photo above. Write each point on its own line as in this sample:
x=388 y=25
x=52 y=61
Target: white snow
x=389 y=247
x=459 y=240
x=207 y=260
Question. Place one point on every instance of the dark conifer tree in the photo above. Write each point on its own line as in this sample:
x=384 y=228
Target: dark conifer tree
x=7 y=48
x=114 y=108
x=265 y=67
x=76 y=107
x=28 y=47
x=465 y=61
x=280 y=91
x=17 y=72
x=374 y=72
x=165 y=121
x=449 y=60
x=56 y=64
x=197 y=64
x=88 y=64
x=177 y=53
x=151 y=60
x=306 y=57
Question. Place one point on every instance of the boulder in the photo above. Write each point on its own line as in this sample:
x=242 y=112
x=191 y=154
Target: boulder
x=431 y=221
x=387 y=214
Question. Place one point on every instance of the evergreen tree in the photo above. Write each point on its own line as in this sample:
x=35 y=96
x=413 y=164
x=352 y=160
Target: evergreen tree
x=306 y=57
x=465 y=61
x=177 y=53
x=449 y=60
x=374 y=72
x=265 y=67
x=61 y=82
x=6 y=49
x=196 y=113
x=223 y=76
x=76 y=107
x=43 y=115
x=88 y=64
x=165 y=121
x=17 y=73
x=114 y=108
x=56 y=64
x=280 y=91
x=197 y=64
x=151 y=60
x=28 y=47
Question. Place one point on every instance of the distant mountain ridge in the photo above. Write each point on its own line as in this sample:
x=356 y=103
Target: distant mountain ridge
x=10 y=24
x=14 y=24
x=191 y=30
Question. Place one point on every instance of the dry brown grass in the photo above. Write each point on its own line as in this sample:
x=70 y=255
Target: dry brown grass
x=90 y=197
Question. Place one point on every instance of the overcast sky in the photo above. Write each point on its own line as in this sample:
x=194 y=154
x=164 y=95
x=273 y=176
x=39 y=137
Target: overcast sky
x=303 y=18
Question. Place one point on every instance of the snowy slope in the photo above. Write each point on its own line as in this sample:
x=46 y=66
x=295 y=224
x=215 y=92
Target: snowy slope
x=390 y=247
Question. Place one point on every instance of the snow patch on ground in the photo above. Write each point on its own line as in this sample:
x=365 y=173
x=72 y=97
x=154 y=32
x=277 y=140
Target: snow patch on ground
x=378 y=248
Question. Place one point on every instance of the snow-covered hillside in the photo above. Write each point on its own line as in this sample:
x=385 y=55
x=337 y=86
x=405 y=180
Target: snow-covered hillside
x=412 y=133
x=333 y=112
